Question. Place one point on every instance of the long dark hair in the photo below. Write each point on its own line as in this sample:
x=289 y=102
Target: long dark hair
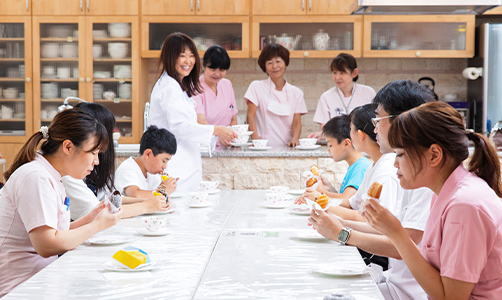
x=361 y=118
x=103 y=175
x=71 y=124
x=439 y=123
x=173 y=46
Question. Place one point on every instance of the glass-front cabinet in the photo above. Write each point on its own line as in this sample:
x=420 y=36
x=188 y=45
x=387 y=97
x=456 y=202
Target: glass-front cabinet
x=15 y=79
x=309 y=36
x=232 y=33
x=419 y=36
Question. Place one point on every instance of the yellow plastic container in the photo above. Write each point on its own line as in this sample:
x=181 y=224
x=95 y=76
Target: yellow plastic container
x=132 y=259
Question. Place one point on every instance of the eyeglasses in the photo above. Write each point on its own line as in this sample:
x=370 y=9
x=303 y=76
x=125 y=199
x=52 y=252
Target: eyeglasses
x=375 y=121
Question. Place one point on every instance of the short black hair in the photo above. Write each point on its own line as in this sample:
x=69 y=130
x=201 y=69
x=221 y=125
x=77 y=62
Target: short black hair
x=402 y=95
x=270 y=52
x=159 y=140
x=338 y=127
x=216 y=57
x=361 y=118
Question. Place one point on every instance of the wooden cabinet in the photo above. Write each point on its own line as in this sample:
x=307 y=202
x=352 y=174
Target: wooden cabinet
x=495 y=11
x=15 y=8
x=15 y=79
x=195 y=7
x=85 y=7
x=232 y=33
x=93 y=58
x=301 y=7
x=419 y=36
x=311 y=36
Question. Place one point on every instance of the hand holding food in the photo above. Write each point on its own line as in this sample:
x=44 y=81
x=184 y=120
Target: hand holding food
x=375 y=190
x=322 y=200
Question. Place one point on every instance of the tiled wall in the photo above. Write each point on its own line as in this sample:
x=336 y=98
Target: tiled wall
x=314 y=78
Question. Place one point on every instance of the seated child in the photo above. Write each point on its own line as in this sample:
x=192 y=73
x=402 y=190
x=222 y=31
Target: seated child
x=340 y=148
x=138 y=177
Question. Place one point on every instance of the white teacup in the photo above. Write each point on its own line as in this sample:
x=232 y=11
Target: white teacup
x=279 y=189
x=208 y=185
x=276 y=198
x=308 y=142
x=260 y=143
x=240 y=129
x=197 y=197
x=241 y=139
x=154 y=223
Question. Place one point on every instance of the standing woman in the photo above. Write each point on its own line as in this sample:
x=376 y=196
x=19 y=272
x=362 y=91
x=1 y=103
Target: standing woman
x=275 y=107
x=172 y=108
x=216 y=104
x=34 y=218
x=345 y=95
x=461 y=252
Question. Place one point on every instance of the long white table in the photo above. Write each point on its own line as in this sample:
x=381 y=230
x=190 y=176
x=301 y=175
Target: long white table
x=234 y=249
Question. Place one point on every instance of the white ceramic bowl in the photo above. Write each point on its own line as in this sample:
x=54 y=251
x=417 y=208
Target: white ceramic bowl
x=279 y=189
x=10 y=93
x=197 y=197
x=118 y=50
x=122 y=71
x=99 y=34
x=125 y=90
x=49 y=50
x=63 y=72
x=276 y=198
x=69 y=50
x=119 y=30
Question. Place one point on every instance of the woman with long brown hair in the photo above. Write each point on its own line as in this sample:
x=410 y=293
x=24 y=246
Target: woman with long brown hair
x=461 y=251
x=172 y=107
x=34 y=218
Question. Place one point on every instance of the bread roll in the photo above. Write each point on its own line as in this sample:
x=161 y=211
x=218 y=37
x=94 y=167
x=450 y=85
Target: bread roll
x=322 y=200
x=315 y=170
x=375 y=190
x=311 y=181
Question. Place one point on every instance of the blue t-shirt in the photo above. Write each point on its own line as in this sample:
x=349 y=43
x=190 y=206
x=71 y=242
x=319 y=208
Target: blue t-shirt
x=355 y=174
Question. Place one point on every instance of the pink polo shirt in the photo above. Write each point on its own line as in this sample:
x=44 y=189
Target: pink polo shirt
x=218 y=109
x=275 y=128
x=463 y=235
x=32 y=197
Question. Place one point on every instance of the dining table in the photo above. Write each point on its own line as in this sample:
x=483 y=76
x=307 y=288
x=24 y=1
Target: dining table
x=237 y=247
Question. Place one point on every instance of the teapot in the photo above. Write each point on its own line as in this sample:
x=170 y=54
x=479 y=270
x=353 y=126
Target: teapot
x=321 y=40
x=288 y=42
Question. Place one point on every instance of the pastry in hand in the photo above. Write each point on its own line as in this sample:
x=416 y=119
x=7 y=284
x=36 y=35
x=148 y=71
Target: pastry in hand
x=311 y=181
x=322 y=200
x=315 y=170
x=375 y=190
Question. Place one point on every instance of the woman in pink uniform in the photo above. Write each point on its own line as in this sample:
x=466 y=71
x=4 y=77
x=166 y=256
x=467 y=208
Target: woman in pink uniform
x=34 y=217
x=216 y=104
x=275 y=107
x=461 y=252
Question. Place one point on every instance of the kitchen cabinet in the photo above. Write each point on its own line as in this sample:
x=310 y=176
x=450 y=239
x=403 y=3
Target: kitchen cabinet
x=15 y=8
x=85 y=7
x=495 y=11
x=309 y=36
x=93 y=58
x=419 y=36
x=15 y=79
x=232 y=33
x=195 y=7
x=301 y=7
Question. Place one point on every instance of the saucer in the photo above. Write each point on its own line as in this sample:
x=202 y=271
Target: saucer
x=310 y=235
x=198 y=205
x=241 y=145
x=144 y=231
x=108 y=240
x=301 y=210
x=176 y=195
x=111 y=266
x=296 y=192
x=212 y=192
x=260 y=149
x=169 y=211
x=339 y=270
x=308 y=147
x=284 y=204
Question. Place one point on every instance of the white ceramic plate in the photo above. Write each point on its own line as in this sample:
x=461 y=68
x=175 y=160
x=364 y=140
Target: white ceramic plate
x=215 y=191
x=339 y=270
x=176 y=195
x=309 y=235
x=110 y=266
x=169 y=211
x=241 y=145
x=308 y=148
x=260 y=149
x=301 y=210
x=203 y=204
x=279 y=205
x=144 y=231
x=108 y=240
x=296 y=192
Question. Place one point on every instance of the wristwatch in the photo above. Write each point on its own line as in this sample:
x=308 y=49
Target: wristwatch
x=343 y=237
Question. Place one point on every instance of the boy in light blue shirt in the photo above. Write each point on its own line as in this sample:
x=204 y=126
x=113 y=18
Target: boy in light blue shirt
x=337 y=133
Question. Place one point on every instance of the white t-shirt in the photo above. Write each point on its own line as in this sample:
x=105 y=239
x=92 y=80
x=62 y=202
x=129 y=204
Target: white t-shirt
x=400 y=284
x=383 y=172
x=32 y=197
x=82 y=199
x=330 y=103
x=129 y=174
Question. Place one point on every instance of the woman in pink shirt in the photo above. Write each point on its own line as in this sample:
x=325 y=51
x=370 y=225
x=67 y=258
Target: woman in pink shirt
x=275 y=107
x=216 y=104
x=461 y=253
x=34 y=217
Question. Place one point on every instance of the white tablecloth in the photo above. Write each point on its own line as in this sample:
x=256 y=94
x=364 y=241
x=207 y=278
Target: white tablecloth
x=234 y=249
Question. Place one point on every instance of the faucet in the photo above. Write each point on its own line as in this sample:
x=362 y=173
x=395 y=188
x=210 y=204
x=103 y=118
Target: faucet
x=68 y=106
x=146 y=117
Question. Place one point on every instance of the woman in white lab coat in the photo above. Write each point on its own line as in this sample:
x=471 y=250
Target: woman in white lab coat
x=172 y=107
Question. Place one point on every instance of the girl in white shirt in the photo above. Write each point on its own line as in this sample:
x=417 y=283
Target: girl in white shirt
x=34 y=217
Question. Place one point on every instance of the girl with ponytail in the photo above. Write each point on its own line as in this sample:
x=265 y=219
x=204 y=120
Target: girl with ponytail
x=461 y=251
x=34 y=217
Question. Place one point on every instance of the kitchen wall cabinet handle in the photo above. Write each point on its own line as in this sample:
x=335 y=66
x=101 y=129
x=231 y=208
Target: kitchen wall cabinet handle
x=310 y=5
x=303 y=5
x=81 y=6
x=88 y=79
x=28 y=79
x=82 y=79
x=27 y=5
x=88 y=5
x=198 y=5
x=418 y=53
x=191 y=5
